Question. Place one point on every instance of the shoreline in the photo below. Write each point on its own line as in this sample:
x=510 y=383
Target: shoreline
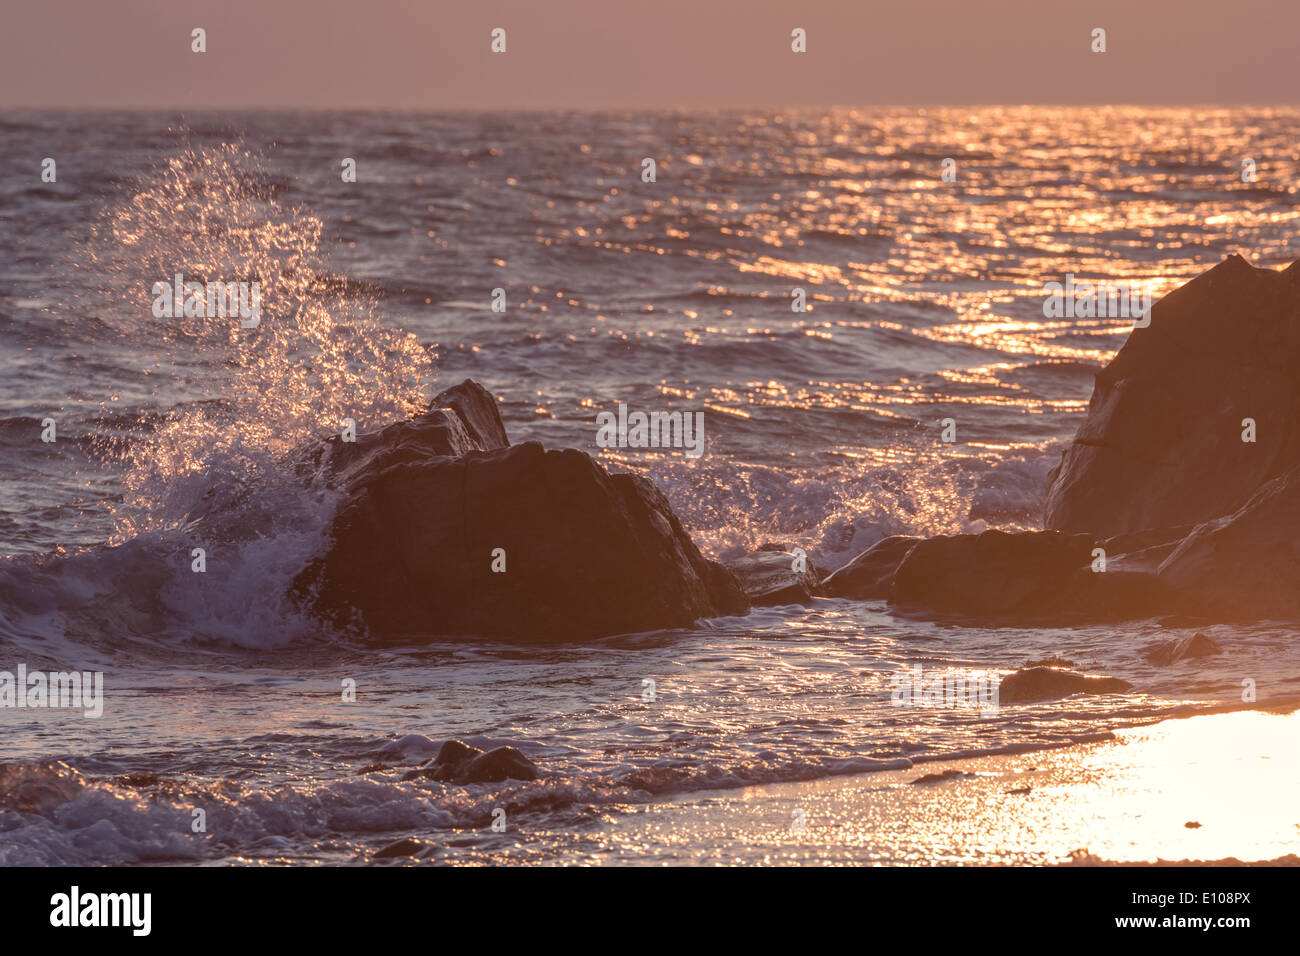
x=1184 y=791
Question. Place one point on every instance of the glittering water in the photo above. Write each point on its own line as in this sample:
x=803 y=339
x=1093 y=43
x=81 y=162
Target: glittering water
x=822 y=431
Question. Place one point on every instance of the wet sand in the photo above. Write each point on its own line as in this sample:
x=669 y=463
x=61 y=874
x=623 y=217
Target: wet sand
x=1214 y=788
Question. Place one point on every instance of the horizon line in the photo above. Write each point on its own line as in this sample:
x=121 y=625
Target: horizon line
x=102 y=108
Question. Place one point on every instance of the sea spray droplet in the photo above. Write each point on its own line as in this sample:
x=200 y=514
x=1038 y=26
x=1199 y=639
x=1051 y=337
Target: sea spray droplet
x=320 y=354
x=234 y=401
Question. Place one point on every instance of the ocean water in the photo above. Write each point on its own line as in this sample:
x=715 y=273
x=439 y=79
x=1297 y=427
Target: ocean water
x=822 y=431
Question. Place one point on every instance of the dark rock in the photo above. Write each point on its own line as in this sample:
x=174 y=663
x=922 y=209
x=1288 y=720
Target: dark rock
x=1194 y=523
x=769 y=578
x=994 y=573
x=1197 y=645
x=452 y=758
x=407 y=847
x=1056 y=660
x=458 y=762
x=1142 y=551
x=939 y=777
x=459 y=420
x=1031 y=684
x=1037 y=577
x=1120 y=595
x=498 y=764
x=455 y=753
x=476 y=408
x=870 y=575
x=1161 y=445
x=1138 y=541
x=588 y=554
x=1246 y=565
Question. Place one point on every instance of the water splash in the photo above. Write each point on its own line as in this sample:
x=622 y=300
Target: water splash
x=207 y=461
x=841 y=509
x=319 y=356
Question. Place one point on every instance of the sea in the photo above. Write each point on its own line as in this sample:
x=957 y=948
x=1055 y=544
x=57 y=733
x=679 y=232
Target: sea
x=539 y=254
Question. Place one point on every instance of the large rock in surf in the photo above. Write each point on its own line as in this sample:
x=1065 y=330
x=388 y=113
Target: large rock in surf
x=1019 y=577
x=445 y=530
x=1188 y=517
x=1246 y=565
x=1162 y=443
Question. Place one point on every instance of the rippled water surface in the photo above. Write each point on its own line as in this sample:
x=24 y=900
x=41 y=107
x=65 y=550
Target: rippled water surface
x=822 y=431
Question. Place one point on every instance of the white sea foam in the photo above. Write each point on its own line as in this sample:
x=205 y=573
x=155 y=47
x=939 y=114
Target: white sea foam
x=213 y=473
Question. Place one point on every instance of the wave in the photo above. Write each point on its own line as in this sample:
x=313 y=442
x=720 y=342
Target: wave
x=838 y=511
x=60 y=816
x=209 y=466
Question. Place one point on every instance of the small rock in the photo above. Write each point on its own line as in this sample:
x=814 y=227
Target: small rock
x=870 y=575
x=939 y=777
x=1056 y=660
x=458 y=762
x=769 y=578
x=407 y=847
x=1169 y=652
x=1031 y=684
x=455 y=753
x=503 y=763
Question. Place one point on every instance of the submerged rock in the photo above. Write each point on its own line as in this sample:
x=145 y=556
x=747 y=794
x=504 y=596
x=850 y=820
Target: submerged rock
x=1030 y=684
x=1197 y=645
x=1162 y=443
x=445 y=530
x=870 y=575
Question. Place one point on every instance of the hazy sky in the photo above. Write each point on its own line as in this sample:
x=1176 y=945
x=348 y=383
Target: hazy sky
x=629 y=53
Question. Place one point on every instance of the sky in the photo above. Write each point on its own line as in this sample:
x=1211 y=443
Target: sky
x=587 y=54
